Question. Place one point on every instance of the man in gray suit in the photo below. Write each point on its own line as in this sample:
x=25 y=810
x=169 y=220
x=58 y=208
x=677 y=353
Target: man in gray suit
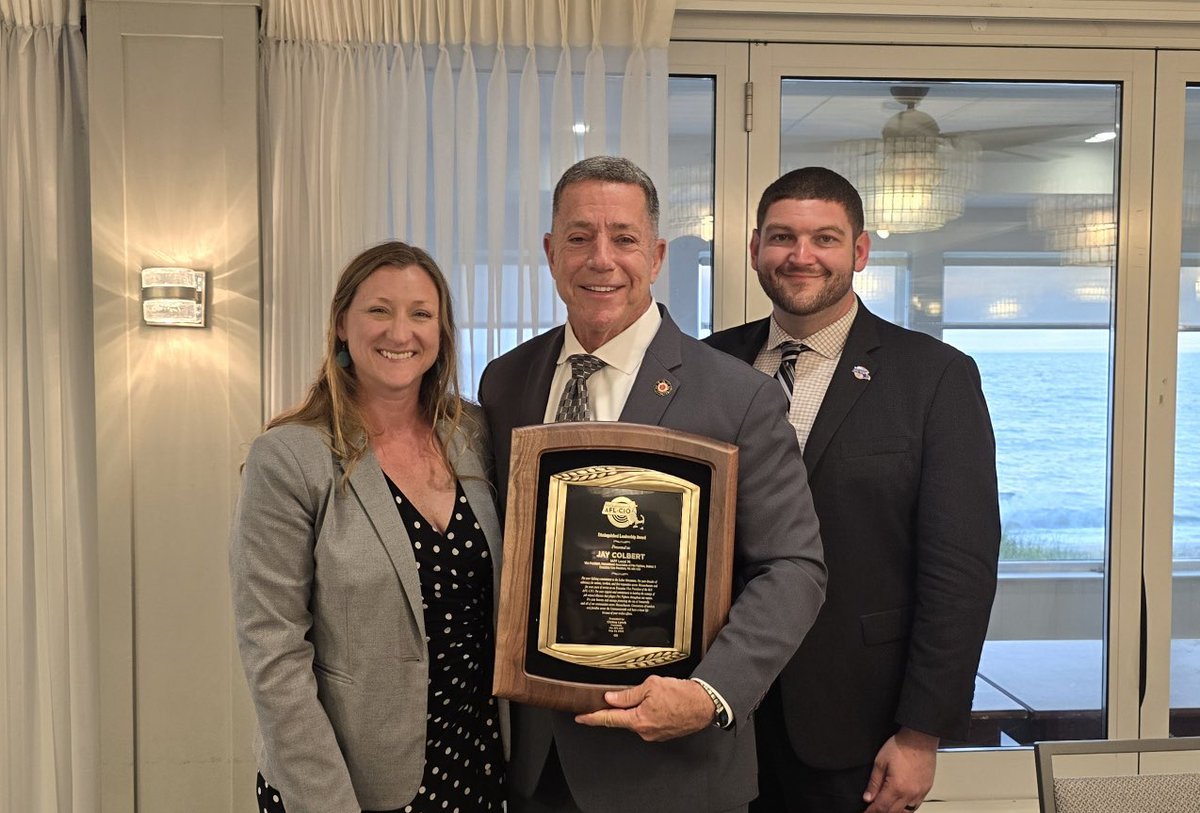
x=667 y=744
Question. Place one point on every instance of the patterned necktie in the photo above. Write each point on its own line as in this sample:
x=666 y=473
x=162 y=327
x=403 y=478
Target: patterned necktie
x=573 y=406
x=786 y=374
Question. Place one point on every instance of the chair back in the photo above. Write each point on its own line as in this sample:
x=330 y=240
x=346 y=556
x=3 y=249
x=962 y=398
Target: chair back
x=1123 y=793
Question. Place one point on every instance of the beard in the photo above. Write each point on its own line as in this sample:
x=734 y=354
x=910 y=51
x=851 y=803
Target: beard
x=806 y=300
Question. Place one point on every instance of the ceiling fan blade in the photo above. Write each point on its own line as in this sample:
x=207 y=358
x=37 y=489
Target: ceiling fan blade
x=1002 y=138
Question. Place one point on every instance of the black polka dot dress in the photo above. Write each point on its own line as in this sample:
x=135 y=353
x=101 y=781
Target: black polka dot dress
x=464 y=758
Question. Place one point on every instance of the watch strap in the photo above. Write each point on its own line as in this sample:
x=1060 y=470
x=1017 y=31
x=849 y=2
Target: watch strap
x=721 y=716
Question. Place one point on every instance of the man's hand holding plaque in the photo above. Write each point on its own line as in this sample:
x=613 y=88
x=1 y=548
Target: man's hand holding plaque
x=658 y=709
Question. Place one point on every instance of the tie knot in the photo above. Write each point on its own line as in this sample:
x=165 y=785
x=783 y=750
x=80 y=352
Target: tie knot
x=792 y=349
x=583 y=365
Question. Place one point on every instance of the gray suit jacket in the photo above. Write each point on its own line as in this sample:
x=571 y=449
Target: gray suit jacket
x=327 y=606
x=779 y=575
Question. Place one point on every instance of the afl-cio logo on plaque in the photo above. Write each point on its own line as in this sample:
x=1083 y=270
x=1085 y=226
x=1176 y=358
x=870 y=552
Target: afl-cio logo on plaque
x=622 y=513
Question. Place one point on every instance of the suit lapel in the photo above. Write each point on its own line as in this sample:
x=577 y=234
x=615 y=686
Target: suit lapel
x=657 y=382
x=845 y=388
x=376 y=498
x=536 y=391
x=753 y=341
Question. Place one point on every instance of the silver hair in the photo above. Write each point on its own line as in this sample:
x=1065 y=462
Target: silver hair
x=613 y=169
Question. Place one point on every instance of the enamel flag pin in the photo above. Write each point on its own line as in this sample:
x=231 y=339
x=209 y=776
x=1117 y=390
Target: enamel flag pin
x=862 y=373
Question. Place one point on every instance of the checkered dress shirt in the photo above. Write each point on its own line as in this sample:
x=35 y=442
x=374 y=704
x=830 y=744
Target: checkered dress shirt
x=814 y=369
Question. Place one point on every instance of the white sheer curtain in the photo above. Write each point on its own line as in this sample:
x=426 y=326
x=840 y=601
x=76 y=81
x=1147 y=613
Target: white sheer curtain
x=444 y=123
x=49 y=658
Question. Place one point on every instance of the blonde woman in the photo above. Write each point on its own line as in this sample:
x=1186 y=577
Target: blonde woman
x=365 y=561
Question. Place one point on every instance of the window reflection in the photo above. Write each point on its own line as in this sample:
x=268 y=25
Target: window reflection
x=991 y=207
x=685 y=283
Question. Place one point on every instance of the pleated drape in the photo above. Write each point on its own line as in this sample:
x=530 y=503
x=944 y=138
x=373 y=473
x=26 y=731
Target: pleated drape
x=444 y=123
x=49 y=693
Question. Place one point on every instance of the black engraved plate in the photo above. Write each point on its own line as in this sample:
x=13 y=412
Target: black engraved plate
x=619 y=567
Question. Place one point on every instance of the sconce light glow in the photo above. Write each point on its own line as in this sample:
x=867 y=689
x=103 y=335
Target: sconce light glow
x=579 y=128
x=173 y=297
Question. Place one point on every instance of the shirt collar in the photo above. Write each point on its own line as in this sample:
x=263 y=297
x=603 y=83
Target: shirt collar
x=828 y=342
x=624 y=351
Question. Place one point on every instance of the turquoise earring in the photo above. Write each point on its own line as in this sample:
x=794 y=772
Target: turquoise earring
x=342 y=356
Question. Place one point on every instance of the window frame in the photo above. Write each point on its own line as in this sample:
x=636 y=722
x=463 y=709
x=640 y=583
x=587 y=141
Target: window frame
x=983 y=773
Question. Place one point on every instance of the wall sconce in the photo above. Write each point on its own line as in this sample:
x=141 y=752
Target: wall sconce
x=174 y=297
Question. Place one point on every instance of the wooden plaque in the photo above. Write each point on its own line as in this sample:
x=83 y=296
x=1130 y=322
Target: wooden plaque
x=618 y=559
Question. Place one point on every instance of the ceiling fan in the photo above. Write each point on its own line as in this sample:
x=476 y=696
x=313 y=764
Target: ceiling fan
x=913 y=178
x=910 y=120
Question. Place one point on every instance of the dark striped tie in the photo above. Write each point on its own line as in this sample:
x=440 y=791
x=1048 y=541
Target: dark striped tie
x=786 y=374
x=573 y=406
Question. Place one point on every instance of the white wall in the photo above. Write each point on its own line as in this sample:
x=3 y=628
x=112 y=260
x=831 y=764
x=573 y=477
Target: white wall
x=173 y=95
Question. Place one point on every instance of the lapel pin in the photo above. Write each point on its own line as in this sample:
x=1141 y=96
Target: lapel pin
x=861 y=373
x=662 y=387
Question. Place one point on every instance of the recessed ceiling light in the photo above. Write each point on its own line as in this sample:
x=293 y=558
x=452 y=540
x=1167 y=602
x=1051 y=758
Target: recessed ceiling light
x=1100 y=138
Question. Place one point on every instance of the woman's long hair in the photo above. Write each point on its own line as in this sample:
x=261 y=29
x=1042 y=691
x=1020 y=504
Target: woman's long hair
x=331 y=403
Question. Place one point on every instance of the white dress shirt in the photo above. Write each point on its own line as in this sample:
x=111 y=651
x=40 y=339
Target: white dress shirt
x=608 y=387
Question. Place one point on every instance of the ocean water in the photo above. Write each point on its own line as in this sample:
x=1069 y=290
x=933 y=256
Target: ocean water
x=1048 y=394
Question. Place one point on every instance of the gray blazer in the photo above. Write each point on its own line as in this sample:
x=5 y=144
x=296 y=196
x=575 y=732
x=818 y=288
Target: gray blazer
x=327 y=606
x=779 y=575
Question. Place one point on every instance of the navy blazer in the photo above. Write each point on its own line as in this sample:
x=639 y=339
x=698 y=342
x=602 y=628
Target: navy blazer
x=901 y=462
x=778 y=573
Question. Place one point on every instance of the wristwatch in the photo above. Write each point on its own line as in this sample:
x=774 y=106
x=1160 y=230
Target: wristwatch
x=721 y=718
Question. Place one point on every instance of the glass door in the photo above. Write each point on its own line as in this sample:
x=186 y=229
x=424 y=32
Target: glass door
x=1184 y=675
x=1172 y=697
x=1005 y=191
x=707 y=157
